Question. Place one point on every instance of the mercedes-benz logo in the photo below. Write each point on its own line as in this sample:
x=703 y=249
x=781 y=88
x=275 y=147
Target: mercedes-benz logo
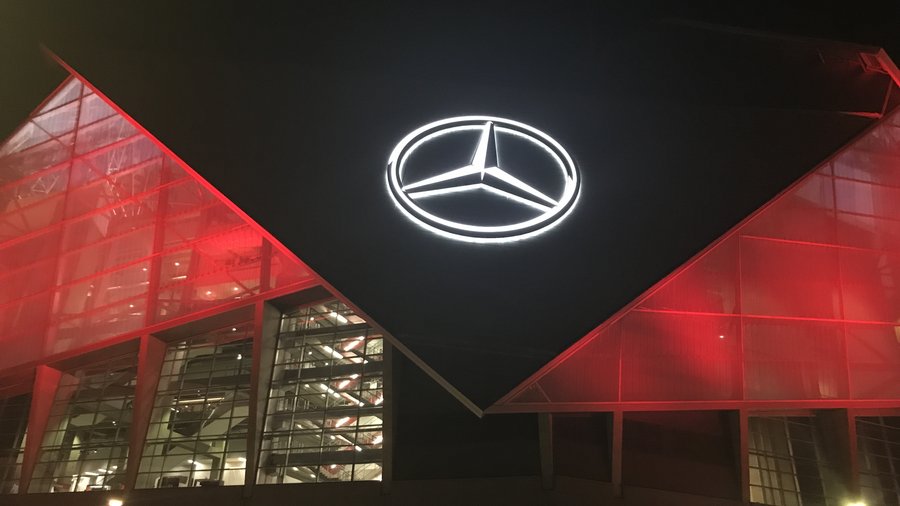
x=439 y=182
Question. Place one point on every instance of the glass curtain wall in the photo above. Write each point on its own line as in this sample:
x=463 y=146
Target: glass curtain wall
x=13 y=423
x=198 y=428
x=324 y=415
x=788 y=466
x=85 y=446
x=879 y=459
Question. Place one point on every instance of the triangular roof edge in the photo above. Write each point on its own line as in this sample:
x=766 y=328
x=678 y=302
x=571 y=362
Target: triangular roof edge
x=456 y=393
x=499 y=405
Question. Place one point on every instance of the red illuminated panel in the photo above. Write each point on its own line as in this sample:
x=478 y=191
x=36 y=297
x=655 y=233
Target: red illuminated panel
x=799 y=302
x=103 y=234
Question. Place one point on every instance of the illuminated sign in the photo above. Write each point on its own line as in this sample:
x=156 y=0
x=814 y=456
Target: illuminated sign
x=517 y=183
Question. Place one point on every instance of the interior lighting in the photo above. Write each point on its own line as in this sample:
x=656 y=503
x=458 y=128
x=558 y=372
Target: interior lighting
x=721 y=337
x=240 y=356
x=115 y=502
x=197 y=401
x=331 y=351
x=342 y=421
x=856 y=503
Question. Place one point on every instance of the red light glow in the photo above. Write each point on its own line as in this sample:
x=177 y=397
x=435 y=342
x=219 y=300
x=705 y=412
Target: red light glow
x=103 y=232
x=804 y=297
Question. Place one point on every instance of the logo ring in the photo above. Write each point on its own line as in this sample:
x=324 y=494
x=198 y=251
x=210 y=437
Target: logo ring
x=552 y=214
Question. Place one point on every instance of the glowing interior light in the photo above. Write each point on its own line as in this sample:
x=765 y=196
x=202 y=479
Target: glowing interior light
x=209 y=292
x=484 y=173
x=115 y=502
x=239 y=356
x=295 y=468
x=330 y=351
x=342 y=421
x=343 y=384
x=378 y=439
x=721 y=337
x=312 y=475
x=235 y=289
x=357 y=448
x=197 y=401
x=177 y=264
x=856 y=503
x=339 y=317
x=332 y=466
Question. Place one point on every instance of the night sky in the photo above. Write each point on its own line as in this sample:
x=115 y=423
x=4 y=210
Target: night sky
x=680 y=130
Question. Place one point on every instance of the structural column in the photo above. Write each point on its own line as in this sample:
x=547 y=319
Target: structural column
x=744 y=454
x=618 y=421
x=388 y=417
x=46 y=381
x=150 y=359
x=545 y=438
x=266 y=321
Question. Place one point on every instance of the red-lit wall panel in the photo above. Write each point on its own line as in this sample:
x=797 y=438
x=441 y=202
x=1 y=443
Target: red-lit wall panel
x=799 y=302
x=102 y=234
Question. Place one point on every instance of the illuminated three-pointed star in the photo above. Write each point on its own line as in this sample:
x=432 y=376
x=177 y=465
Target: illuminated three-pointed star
x=483 y=173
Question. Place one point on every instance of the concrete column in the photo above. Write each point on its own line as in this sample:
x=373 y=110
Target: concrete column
x=618 y=421
x=744 y=454
x=266 y=322
x=545 y=438
x=46 y=381
x=150 y=359
x=388 y=418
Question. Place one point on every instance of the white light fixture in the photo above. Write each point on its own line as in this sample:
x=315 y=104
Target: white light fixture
x=115 y=502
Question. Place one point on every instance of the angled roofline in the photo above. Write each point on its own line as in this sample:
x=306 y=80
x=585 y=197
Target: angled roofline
x=876 y=52
x=503 y=405
x=468 y=403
